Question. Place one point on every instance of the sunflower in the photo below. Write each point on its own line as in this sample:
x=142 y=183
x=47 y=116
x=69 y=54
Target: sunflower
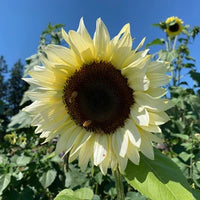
x=173 y=26
x=100 y=96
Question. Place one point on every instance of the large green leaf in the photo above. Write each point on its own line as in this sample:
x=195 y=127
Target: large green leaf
x=81 y=194
x=4 y=181
x=47 y=178
x=158 y=179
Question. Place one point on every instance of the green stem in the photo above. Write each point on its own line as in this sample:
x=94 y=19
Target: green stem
x=175 y=40
x=119 y=185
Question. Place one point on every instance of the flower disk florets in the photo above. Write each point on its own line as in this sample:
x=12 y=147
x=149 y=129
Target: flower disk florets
x=95 y=95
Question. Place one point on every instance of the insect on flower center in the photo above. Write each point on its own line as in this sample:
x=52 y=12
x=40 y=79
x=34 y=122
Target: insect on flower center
x=98 y=97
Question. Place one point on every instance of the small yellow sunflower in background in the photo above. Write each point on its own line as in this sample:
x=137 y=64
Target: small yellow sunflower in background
x=100 y=96
x=173 y=26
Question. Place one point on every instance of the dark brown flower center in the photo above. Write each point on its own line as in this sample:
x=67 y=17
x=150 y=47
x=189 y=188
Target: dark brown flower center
x=98 y=97
x=174 y=27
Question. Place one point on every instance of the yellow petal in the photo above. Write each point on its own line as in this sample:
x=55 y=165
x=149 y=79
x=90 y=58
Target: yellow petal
x=146 y=146
x=132 y=132
x=106 y=162
x=62 y=56
x=86 y=153
x=79 y=142
x=157 y=67
x=65 y=35
x=149 y=102
x=158 y=118
x=84 y=33
x=100 y=148
x=134 y=56
x=121 y=51
x=66 y=139
x=101 y=39
x=122 y=142
x=122 y=163
x=125 y=30
x=140 y=115
x=151 y=128
x=133 y=154
x=80 y=46
x=156 y=92
x=157 y=79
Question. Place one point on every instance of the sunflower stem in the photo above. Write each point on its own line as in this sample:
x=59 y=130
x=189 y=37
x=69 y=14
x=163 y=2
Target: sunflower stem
x=119 y=185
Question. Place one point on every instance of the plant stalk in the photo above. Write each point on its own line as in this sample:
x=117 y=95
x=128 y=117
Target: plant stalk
x=119 y=185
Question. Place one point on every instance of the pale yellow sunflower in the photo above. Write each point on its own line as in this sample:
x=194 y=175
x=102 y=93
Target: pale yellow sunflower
x=173 y=26
x=100 y=96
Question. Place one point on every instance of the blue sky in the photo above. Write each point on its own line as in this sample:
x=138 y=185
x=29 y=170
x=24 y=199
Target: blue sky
x=22 y=21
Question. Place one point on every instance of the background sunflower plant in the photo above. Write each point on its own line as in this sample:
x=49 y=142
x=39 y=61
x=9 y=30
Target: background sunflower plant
x=34 y=171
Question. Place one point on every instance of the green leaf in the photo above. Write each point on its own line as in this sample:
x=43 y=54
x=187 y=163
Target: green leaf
x=198 y=165
x=195 y=76
x=84 y=193
x=196 y=174
x=18 y=175
x=185 y=156
x=20 y=120
x=98 y=177
x=47 y=178
x=189 y=65
x=68 y=180
x=27 y=193
x=158 y=179
x=182 y=136
x=23 y=160
x=96 y=197
x=168 y=56
x=180 y=125
x=66 y=194
x=188 y=146
x=190 y=58
x=161 y=25
x=158 y=41
x=135 y=196
x=3 y=159
x=81 y=194
x=77 y=176
x=4 y=181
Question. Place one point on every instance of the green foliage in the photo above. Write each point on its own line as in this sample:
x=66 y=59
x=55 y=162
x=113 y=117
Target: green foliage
x=4 y=181
x=25 y=168
x=36 y=172
x=81 y=194
x=156 y=42
x=182 y=132
x=158 y=179
x=47 y=178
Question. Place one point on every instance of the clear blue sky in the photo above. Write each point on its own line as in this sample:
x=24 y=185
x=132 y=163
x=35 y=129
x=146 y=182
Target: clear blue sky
x=22 y=21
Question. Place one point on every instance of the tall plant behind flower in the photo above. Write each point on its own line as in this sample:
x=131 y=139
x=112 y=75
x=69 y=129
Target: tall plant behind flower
x=181 y=133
